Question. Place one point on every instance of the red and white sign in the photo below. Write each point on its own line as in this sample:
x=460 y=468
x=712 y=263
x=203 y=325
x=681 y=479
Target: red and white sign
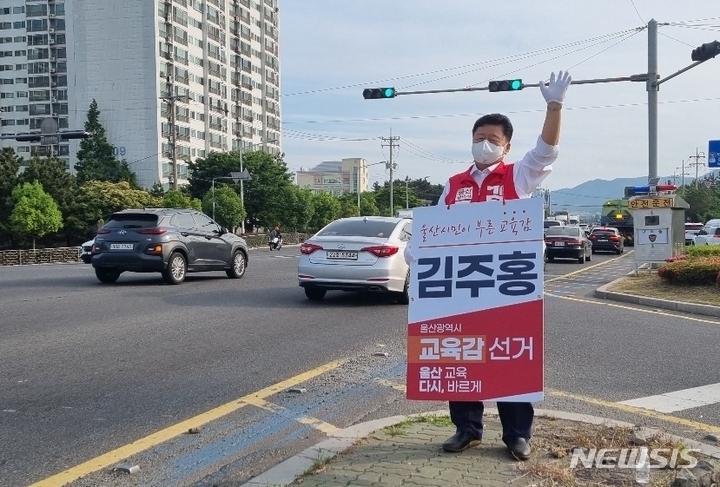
x=475 y=320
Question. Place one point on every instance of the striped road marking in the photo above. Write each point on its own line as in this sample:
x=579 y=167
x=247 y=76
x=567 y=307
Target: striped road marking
x=679 y=400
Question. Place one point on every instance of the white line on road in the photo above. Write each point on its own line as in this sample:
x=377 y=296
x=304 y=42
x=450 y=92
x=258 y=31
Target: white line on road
x=679 y=400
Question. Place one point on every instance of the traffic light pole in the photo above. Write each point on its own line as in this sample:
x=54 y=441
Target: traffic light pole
x=652 y=89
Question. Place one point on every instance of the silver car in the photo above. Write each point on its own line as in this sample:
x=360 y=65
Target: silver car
x=362 y=253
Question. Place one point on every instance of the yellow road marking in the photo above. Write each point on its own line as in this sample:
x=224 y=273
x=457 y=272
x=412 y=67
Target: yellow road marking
x=707 y=428
x=318 y=424
x=114 y=456
x=388 y=383
x=631 y=308
x=587 y=268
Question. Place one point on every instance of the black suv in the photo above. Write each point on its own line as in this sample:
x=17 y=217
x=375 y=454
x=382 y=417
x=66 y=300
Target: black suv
x=170 y=241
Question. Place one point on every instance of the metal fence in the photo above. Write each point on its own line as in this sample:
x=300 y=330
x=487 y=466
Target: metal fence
x=56 y=255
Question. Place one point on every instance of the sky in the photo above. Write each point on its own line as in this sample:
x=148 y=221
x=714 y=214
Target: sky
x=330 y=50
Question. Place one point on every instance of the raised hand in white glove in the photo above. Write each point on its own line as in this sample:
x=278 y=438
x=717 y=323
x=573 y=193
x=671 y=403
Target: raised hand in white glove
x=408 y=254
x=556 y=87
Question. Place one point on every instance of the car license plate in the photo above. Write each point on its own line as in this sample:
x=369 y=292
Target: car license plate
x=342 y=255
x=559 y=244
x=602 y=240
x=121 y=246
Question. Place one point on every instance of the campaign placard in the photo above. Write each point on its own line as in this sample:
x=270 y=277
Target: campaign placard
x=475 y=319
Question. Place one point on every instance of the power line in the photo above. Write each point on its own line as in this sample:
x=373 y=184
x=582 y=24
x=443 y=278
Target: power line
x=515 y=112
x=445 y=70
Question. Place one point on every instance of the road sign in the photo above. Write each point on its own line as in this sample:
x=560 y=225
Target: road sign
x=714 y=154
x=708 y=184
x=639 y=204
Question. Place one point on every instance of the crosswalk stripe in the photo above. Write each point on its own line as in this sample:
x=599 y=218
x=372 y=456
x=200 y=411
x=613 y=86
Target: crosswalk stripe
x=679 y=400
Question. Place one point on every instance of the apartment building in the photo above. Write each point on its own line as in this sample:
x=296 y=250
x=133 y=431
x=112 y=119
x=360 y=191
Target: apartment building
x=207 y=71
x=336 y=177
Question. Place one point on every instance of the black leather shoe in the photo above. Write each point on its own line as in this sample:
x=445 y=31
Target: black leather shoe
x=460 y=441
x=519 y=448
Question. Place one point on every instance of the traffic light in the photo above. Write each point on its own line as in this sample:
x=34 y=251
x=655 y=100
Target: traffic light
x=375 y=93
x=706 y=51
x=506 y=85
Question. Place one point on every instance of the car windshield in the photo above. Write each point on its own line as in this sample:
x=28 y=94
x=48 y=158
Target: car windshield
x=358 y=228
x=551 y=224
x=563 y=231
x=132 y=220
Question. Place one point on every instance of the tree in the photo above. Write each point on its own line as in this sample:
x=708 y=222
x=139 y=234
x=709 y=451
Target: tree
x=299 y=209
x=157 y=190
x=382 y=198
x=56 y=181
x=266 y=195
x=176 y=199
x=96 y=200
x=229 y=211
x=368 y=204
x=96 y=156
x=35 y=213
x=9 y=166
x=327 y=209
x=348 y=205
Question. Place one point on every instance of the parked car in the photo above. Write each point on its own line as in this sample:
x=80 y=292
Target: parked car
x=86 y=252
x=170 y=241
x=357 y=254
x=692 y=229
x=568 y=243
x=709 y=234
x=607 y=238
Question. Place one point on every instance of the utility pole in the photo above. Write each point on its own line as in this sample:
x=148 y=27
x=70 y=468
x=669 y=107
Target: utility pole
x=240 y=151
x=392 y=143
x=697 y=163
x=652 y=88
x=170 y=100
x=407 y=192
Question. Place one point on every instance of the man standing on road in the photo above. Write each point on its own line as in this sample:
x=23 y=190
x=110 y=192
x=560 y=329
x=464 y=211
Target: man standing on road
x=491 y=179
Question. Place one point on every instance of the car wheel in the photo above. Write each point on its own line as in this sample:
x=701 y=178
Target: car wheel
x=404 y=296
x=315 y=293
x=238 y=265
x=107 y=276
x=176 y=269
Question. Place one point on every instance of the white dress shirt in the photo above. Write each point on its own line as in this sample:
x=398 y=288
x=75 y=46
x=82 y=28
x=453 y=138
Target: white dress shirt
x=528 y=173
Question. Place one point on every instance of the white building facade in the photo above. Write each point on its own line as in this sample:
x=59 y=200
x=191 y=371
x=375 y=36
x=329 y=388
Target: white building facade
x=213 y=64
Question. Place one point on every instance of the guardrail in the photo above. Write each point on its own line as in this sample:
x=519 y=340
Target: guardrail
x=56 y=255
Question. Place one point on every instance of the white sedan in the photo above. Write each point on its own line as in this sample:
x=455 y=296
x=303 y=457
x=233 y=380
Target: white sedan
x=362 y=253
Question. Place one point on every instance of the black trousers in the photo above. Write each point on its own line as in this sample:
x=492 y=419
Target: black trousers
x=516 y=418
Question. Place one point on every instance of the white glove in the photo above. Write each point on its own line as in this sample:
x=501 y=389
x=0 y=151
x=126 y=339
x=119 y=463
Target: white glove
x=556 y=88
x=408 y=254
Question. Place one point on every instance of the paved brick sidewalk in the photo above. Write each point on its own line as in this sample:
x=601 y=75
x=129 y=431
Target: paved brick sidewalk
x=400 y=451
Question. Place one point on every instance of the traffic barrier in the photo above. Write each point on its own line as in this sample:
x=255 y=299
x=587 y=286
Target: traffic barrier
x=56 y=255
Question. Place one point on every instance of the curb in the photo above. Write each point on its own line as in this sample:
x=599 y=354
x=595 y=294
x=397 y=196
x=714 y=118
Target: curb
x=288 y=471
x=700 y=309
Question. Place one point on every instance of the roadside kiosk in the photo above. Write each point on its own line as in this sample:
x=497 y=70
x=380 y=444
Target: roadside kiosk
x=659 y=217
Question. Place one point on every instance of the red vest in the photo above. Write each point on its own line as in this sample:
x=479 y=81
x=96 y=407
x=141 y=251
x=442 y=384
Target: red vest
x=499 y=185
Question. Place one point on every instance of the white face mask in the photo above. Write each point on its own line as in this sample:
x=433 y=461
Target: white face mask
x=485 y=152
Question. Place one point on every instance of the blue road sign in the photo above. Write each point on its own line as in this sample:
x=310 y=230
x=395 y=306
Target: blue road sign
x=714 y=153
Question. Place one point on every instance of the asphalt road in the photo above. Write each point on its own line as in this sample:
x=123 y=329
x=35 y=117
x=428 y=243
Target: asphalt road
x=89 y=368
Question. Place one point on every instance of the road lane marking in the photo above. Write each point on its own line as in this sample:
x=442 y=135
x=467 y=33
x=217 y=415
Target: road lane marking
x=641 y=310
x=573 y=273
x=316 y=423
x=706 y=428
x=114 y=456
x=679 y=400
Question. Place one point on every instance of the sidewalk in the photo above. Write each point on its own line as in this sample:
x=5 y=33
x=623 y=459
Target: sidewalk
x=405 y=450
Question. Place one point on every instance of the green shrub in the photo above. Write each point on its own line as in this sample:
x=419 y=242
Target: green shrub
x=702 y=251
x=696 y=271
